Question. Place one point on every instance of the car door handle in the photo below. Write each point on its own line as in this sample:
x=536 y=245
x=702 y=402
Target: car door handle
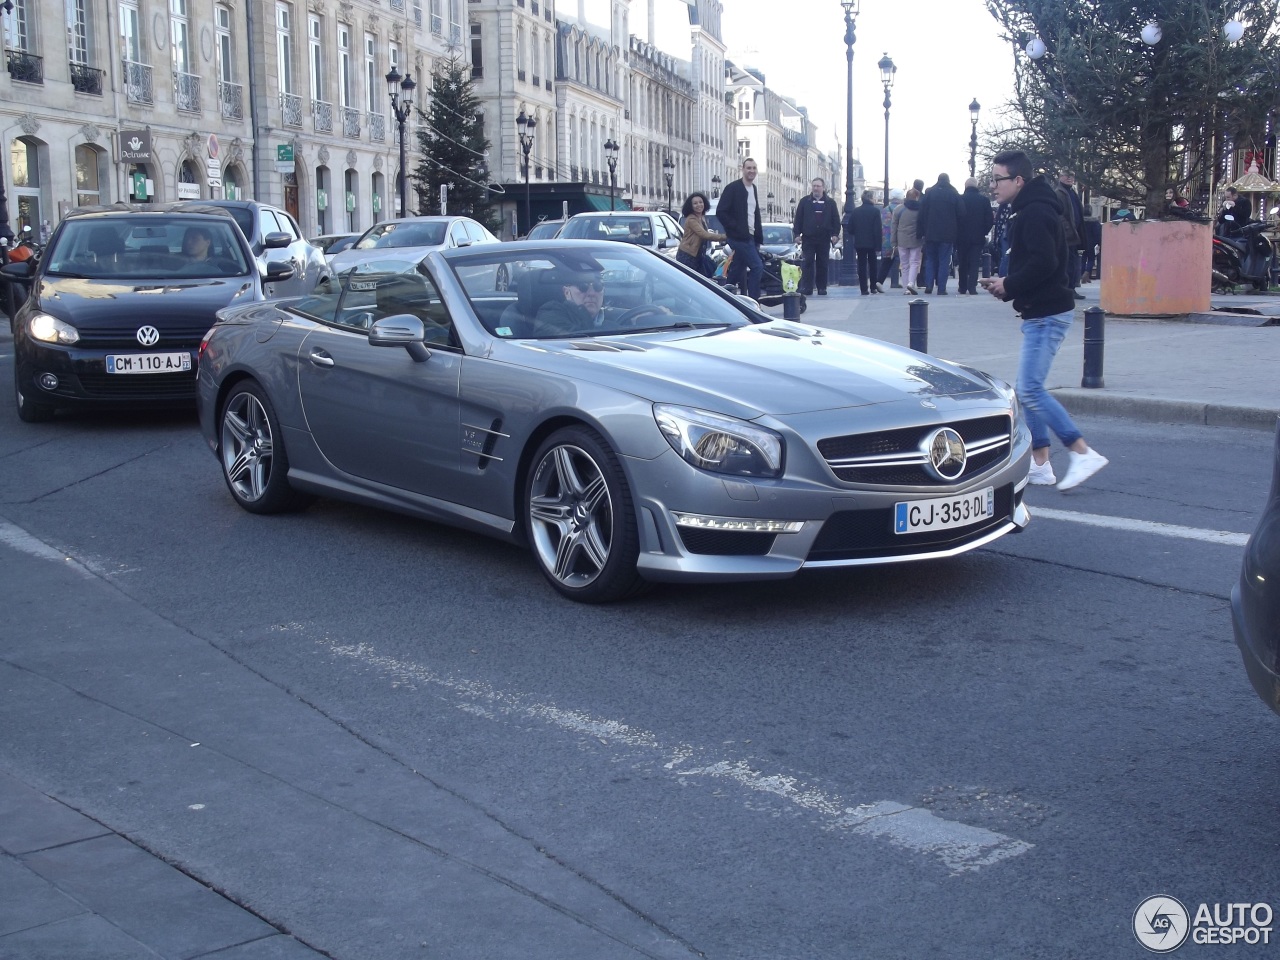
x=320 y=358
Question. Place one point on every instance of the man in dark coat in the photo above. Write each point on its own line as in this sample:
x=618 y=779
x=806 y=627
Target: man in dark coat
x=975 y=223
x=1072 y=226
x=1037 y=284
x=739 y=214
x=863 y=224
x=940 y=226
x=816 y=226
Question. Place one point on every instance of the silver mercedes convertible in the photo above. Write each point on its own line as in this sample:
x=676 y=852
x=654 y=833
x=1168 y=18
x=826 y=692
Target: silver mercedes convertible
x=625 y=418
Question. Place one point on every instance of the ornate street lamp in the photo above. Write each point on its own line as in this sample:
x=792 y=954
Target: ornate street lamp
x=715 y=186
x=769 y=204
x=526 y=126
x=887 y=72
x=400 y=90
x=668 y=172
x=973 y=136
x=848 y=264
x=611 y=158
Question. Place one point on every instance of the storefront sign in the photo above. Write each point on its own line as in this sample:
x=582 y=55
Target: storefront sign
x=351 y=201
x=284 y=158
x=322 y=199
x=188 y=191
x=135 y=146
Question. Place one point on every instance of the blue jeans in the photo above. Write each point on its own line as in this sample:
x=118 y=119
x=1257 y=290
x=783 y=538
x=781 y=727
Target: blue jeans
x=1041 y=339
x=746 y=258
x=937 y=263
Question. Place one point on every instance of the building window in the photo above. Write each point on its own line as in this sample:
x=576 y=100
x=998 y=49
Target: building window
x=17 y=31
x=88 y=176
x=373 y=83
x=437 y=18
x=78 y=40
x=284 y=46
x=455 y=21
x=24 y=167
x=344 y=65
x=180 y=27
x=315 y=57
x=477 y=52
x=130 y=37
x=225 y=49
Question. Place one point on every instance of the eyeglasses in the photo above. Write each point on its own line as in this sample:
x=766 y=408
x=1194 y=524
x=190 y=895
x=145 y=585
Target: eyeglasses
x=998 y=179
x=596 y=285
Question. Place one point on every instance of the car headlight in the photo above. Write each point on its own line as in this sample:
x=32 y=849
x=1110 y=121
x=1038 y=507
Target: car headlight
x=49 y=329
x=712 y=441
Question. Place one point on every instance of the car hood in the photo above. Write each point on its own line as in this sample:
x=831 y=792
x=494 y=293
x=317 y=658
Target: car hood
x=353 y=258
x=89 y=303
x=779 y=368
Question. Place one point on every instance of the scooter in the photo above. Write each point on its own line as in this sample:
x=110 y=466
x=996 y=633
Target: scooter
x=1246 y=257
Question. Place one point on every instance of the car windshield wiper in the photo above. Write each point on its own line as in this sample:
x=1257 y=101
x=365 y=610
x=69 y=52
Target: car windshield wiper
x=72 y=274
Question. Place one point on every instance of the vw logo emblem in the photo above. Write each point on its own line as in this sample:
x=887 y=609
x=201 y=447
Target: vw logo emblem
x=148 y=336
x=945 y=455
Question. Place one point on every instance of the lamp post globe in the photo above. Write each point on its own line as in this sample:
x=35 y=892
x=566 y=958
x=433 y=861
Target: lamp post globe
x=887 y=73
x=668 y=173
x=400 y=90
x=715 y=186
x=611 y=158
x=526 y=126
x=974 y=108
x=849 y=265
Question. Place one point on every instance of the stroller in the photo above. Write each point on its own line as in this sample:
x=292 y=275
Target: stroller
x=771 y=291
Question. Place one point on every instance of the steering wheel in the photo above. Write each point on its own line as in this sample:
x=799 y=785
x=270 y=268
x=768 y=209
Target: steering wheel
x=635 y=313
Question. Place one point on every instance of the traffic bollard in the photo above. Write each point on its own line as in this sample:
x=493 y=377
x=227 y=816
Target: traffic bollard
x=919 y=325
x=791 y=306
x=1094 y=341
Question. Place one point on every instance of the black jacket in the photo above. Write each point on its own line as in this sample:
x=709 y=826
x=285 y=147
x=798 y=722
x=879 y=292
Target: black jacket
x=817 y=220
x=940 y=214
x=864 y=225
x=977 y=217
x=732 y=213
x=1037 y=281
x=1072 y=214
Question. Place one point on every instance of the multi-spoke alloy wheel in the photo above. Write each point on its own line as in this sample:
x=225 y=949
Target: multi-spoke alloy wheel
x=580 y=518
x=253 y=459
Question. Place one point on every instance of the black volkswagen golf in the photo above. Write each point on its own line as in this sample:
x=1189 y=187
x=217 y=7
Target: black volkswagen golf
x=120 y=299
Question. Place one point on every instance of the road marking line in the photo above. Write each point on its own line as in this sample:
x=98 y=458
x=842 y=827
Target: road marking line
x=1224 y=537
x=19 y=539
x=961 y=848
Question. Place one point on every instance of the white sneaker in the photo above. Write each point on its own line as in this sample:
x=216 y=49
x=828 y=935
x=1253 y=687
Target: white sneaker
x=1041 y=474
x=1083 y=466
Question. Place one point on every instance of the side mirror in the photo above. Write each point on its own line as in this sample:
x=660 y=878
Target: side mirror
x=274 y=241
x=278 y=270
x=662 y=244
x=401 y=330
x=21 y=270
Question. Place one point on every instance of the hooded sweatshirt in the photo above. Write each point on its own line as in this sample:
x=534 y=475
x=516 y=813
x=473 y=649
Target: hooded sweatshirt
x=905 y=222
x=1037 y=281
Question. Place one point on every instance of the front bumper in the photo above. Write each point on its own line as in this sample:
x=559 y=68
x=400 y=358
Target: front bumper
x=83 y=380
x=1259 y=660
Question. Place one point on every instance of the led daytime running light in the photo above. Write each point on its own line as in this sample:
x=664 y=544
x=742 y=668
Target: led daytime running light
x=737 y=524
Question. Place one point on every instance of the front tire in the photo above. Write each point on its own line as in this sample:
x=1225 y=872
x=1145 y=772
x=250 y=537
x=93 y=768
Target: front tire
x=580 y=518
x=28 y=410
x=251 y=448
x=502 y=279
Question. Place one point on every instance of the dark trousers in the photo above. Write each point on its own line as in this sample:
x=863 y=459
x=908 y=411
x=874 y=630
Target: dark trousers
x=937 y=264
x=970 y=260
x=868 y=267
x=889 y=267
x=1073 y=266
x=815 y=258
x=1089 y=264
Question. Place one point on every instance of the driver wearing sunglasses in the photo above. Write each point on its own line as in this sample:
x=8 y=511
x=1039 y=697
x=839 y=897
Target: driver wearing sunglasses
x=582 y=309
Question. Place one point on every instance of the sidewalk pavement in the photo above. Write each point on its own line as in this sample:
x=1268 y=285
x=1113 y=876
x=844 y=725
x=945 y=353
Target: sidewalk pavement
x=73 y=889
x=1220 y=369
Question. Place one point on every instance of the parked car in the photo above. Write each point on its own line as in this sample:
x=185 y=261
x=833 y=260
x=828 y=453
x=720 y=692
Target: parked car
x=408 y=238
x=95 y=332
x=545 y=230
x=1255 y=599
x=655 y=230
x=780 y=240
x=274 y=237
x=677 y=434
x=332 y=244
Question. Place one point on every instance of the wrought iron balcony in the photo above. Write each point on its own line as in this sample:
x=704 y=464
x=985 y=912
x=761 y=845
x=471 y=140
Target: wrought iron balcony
x=138 y=82
x=322 y=116
x=291 y=107
x=351 y=123
x=231 y=96
x=86 y=79
x=377 y=127
x=24 y=66
x=186 y=92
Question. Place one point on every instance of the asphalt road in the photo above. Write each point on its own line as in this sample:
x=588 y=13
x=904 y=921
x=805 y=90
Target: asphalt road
x=393 y=740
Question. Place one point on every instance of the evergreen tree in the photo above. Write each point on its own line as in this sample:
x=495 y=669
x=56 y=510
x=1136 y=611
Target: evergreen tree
x=1134 y=117
x=452 y=148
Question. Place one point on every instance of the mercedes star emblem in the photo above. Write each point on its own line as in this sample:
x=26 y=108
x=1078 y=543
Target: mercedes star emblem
x=945 y=455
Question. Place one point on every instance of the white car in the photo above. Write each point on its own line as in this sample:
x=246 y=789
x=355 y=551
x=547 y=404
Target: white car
x=645 y=228
x=412 y=237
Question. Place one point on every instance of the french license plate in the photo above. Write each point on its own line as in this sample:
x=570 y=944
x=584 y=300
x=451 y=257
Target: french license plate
x=149 y=363
x=940 y=513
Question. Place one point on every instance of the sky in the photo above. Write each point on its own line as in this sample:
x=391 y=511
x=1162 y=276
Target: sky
x=947 y=52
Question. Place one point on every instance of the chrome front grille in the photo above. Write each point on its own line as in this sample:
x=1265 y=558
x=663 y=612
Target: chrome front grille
x=895 y=458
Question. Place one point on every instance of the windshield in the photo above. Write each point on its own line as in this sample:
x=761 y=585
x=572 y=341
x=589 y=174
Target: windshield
x=546 y=230
x=147 y=247
x=775 y=233
x=626 y=229
x=555 y=291
x=404 y=234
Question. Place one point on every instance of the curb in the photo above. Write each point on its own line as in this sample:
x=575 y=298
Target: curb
x=1147 y=409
